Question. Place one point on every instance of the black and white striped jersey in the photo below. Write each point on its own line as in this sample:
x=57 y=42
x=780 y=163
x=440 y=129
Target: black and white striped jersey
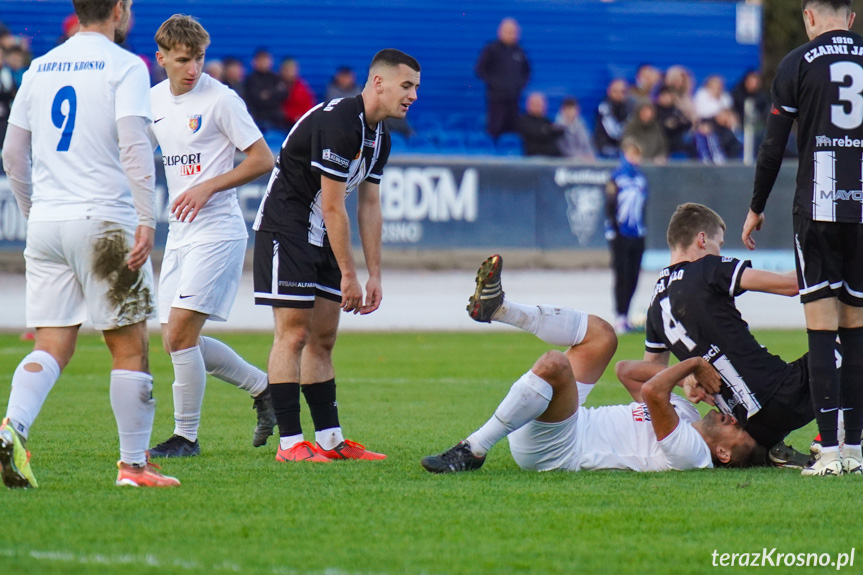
x=334 y=140
x=820 y=84
x=692 y=313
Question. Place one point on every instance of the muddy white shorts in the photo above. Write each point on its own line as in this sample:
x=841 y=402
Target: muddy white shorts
x=77 y=270
x=202 y=277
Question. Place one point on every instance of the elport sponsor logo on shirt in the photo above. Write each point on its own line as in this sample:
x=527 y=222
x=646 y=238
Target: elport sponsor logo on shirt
x=330 y=156
x=190 y=164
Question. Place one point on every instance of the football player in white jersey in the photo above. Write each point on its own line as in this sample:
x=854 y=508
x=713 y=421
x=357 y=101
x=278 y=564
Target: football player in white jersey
x=81 y=167
x=199 y=124
x=542 y=414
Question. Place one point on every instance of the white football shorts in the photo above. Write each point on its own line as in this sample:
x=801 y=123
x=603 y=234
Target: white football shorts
x=202 y=277
x=542 y=446
x=77 y=270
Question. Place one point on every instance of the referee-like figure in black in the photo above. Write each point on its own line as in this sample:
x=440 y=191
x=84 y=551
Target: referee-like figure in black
x=820 y=84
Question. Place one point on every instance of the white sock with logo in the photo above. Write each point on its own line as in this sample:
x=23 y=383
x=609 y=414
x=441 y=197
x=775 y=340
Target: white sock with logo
x=134 y=409
x=329 y=438
x=555 y=325
x=223 y=362
x=289 y=441
x=190 y=380
x=527 y=399
x=29 y=390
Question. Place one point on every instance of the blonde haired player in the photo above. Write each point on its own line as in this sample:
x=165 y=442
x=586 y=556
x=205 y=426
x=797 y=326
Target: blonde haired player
x=80 y=165
x=199 y=123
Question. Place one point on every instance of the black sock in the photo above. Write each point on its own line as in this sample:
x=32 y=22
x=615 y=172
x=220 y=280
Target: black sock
x=321 y=398
x=286 y=406
x=824 y=384
x=851 y=382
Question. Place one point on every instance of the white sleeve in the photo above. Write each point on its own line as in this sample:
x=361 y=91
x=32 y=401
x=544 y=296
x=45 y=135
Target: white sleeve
x=18 y=115
x=17 y=162
x=684 y=448
x=132 y=96
x=136 y=155
x=235 y=121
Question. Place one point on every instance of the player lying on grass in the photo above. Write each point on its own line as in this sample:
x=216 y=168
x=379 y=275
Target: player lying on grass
x=692 y=314
x=542 y=414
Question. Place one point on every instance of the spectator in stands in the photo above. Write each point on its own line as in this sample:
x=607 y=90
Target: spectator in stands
x=214 y=69
x=7 y=93
x=504 y=68
x=644 y=130
x=235 y=75
x=18 y=60
x=299 y=97
x=675 y=125
x=712 y=98
x=611 y=118
x=539 y=134
x=343 y=84
x=575 y=141
x=751 y=88
x=647 y=81
x=265 y=92
x=6 y=38
x=726 y=125
x=679 y=80
x=708 y=148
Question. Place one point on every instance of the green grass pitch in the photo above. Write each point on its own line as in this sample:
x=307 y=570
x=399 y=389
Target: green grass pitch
x=408 y=395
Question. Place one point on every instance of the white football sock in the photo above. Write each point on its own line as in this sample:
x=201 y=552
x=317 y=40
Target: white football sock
x=29 y=390
x=134 y=409
x=223 y=362
x=329 y=438
x=289 y=441
x=527 y=399
x=190 y=380
x=555 y=325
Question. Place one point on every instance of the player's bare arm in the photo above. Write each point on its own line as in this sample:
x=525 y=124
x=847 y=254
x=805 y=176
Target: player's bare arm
x=633 y=374
x=18 y=165
x=769 y=282
x=339 y=232
x=258 y=161
x=661 y=358
x=370 y=223
x=657 y=392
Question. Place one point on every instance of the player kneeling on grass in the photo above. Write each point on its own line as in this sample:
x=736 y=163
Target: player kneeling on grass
x=542 y=414
x=199 y=124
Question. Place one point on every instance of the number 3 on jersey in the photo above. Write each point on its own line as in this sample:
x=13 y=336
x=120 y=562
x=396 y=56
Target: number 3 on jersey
x=64 y=119
x=840 y=72
x=674 y=330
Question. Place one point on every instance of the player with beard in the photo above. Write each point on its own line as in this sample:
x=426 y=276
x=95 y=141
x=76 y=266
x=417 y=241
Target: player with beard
x=303 y=264
x=82 y=115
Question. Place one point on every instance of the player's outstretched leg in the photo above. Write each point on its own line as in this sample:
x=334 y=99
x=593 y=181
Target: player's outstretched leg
x=457 y=458
x=224 y=363
x=488 y=295
x=14 y=459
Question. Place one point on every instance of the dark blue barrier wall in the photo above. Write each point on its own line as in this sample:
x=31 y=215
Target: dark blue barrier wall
x=575 y=46
x=515 y=203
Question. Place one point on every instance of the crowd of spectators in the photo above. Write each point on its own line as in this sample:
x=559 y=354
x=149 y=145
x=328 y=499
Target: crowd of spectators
x=660 y=110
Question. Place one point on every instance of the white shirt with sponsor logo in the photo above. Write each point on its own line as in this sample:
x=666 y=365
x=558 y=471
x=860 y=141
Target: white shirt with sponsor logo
x=199 y=133
x=622 y=437
x=70 y=100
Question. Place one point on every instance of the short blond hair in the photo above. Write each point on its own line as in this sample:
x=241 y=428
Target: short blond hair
x=182 y=30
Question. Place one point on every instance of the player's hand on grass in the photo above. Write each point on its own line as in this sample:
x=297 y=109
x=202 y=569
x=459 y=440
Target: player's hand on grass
x=187 y=205
x=752 y=224
x=352 y=293
x=374 y=295
x=143 y=246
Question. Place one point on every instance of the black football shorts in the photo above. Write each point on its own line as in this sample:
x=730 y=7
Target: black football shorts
x=829 y=258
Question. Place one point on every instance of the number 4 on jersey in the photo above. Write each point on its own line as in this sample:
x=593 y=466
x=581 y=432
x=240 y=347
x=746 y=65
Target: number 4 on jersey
x=674 y=330
x=58 y=115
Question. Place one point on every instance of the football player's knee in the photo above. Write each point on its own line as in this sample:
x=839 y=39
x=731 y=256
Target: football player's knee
x=601 y=333
x=554 y=368
x=292 y=340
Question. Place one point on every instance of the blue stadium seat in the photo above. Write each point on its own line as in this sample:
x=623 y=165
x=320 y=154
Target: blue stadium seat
x=421 y=143
x=480 y=143
x=509 y=145
x=274 y=138
x=426 y=123
x=399 y=143
x=452 y=142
